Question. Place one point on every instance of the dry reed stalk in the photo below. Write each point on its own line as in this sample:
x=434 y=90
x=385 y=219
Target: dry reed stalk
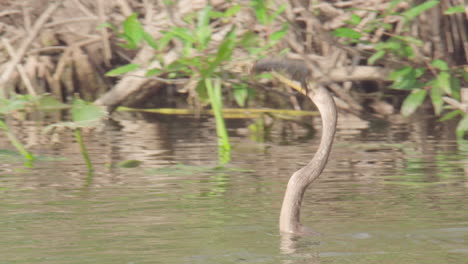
x=24 y=77
x=25 y=45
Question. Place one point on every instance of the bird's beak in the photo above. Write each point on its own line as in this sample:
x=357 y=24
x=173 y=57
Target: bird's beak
x=307 y=91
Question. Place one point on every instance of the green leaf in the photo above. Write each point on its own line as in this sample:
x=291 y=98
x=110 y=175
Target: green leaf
x=347 y=33
x=413 y=101
x=454 y=10
x=108 y=25
x=455 y=87
x=48 y=102
x=152 y=72
x=417 y=10
x=400 y=73
x=440 y=64
x=122 y=69
x=451 y=115
x=249 y=39
x=183 y=34
x=276 y=36
x=443 y=82
x=376 y=56
x=354 y=20
x=11 y=105
x=462 y=127
x=261 y=11
x=133 y=29
x=150 y=40
x=129 y=164
x=241 y=93
x=278 y=11
x=436 y=98
x=84 y=112
x=231 y=11
x=393 y=4
x=226 y=48
x=203 y=30
x=405 y=78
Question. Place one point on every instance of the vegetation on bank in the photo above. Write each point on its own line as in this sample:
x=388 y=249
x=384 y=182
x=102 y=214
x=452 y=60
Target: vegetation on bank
x=377 y=57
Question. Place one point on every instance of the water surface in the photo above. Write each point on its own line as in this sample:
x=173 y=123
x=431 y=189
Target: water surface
x=392 y=193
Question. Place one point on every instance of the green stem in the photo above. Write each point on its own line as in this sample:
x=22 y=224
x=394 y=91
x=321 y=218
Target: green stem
x=215 y=95
x=84 y=152
x=16 y=143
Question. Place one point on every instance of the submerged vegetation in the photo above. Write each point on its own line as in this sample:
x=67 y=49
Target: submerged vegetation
x=376 y=57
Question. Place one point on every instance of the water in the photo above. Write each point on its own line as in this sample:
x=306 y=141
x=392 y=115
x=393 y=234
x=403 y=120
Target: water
x=391 y=193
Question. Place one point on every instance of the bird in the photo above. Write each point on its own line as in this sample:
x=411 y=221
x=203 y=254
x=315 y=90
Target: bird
x=289 y=221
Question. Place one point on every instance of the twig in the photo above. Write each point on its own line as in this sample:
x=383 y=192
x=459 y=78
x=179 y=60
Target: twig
x=72 y=20
x=19 y=68
x=104 y=34
x=26 y=17
x=455 y=104
x=25 y=45
x=125 y=7
x=9 y=12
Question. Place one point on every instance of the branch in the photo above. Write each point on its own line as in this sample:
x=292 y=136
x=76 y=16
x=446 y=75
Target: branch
x=25 y=45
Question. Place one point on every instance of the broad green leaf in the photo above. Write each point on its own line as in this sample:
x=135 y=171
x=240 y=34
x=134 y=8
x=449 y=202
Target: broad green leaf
x=133 y=29
x=183 y=34
x=231 y=11
x=418 y=72
x=226 y=48
x=202 y=93
x=455 y=87
x=392 y=45
x=406 y=78
x=86 y=114
x=152 y=72
x=48 y=102
x=11 y=105
x=406 y=51
x=203 y=30
x=249 y=39
x=436 y=98
x=241 y=94
x=451 y=115
x=400 y=73
x=275 y=36
x=278 y=11
x=347 y=33
x=150 y=40
x=261 y=11
x=443 y=82
x=413 y=12
x=354 y=20
x=165 y=39
x=376 y=56
x=454 y=10
x=129 y=164
x=413 y=101
x=122 y=69
x=462 y=127
x=393 y=4
x=129 y=44
x=440 y=64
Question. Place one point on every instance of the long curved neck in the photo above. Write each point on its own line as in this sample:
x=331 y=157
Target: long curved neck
x=301 y=179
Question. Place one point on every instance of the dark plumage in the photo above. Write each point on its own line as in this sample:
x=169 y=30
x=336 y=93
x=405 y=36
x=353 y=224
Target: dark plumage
x=296 y=70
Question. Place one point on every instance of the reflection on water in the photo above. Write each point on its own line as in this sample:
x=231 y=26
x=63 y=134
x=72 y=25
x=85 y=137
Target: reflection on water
x=392 y=193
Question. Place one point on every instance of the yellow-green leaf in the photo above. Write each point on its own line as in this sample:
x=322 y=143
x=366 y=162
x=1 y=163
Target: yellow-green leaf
x=413 y=101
